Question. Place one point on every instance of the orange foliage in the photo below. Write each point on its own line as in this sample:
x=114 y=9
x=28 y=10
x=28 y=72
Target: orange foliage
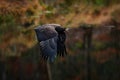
x=15 y=7
x=23 y=11
x=18 y=7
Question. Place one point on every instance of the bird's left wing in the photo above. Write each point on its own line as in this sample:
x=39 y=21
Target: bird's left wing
x=49 y=49
x=45 y=32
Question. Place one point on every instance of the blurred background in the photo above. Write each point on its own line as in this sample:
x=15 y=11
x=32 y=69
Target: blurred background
x=93 y=41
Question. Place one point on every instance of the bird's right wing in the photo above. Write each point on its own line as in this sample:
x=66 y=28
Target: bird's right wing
x=61 y=48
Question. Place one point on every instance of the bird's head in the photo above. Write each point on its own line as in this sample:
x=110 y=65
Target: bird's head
x=59 y=29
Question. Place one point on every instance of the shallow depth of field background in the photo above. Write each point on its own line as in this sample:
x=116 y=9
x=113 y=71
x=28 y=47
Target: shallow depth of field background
x=92 y=55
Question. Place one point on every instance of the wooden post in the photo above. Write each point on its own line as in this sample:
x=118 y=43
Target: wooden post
x=49 y=71
x=115 y=33
x=87 y=39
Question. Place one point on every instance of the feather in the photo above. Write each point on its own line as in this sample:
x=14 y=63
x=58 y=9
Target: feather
x=45 y=32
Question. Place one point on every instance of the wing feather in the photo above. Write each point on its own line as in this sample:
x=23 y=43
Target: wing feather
x=45 y=32
x=49 y=48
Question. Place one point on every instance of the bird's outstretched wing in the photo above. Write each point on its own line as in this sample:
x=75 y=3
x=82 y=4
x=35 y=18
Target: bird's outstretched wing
x=45 y=32
x=61 y=48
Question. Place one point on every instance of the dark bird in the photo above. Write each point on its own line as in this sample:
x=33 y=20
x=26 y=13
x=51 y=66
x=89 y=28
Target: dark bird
x=51 y=38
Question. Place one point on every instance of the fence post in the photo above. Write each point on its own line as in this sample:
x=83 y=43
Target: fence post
x=87 y=39
x=49 y=71
x=115 y=35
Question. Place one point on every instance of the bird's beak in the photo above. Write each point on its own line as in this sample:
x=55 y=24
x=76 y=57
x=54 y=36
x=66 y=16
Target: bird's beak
x=67 y=29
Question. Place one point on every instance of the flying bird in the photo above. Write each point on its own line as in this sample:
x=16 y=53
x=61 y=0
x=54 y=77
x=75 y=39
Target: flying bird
x=51 y=38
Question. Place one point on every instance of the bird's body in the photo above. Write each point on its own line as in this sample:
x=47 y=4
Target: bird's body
x=51 y=38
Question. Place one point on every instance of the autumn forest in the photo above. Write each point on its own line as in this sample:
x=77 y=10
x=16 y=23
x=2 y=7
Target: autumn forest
x=92 y=41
